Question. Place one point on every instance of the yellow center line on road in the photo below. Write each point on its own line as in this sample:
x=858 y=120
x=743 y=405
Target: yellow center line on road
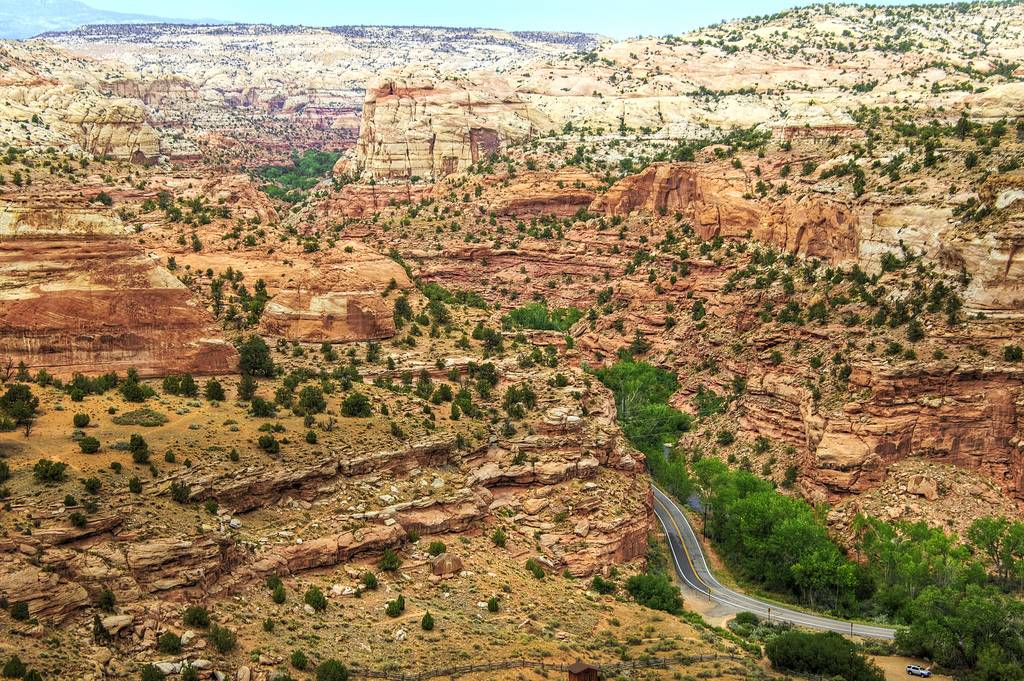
x=682 y=540
x=796 y=617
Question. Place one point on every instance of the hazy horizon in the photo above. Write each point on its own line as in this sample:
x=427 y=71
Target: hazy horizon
x=643 y=17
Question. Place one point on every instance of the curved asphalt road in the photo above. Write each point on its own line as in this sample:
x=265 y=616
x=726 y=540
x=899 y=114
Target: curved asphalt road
x=693 y=570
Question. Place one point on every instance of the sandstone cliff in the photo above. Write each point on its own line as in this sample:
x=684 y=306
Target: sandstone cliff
x=423 y=126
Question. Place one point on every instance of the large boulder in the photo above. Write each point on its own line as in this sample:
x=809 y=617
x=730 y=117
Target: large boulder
x=446 y=564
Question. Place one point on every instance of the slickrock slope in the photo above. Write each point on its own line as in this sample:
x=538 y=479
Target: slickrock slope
x=339 y=300
x=719 y=204
x=49 y=99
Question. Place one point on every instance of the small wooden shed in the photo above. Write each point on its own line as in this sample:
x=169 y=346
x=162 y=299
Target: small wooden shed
x=581 y=671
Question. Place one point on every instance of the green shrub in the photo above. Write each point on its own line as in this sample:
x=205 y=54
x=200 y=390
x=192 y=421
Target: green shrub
x=180 y=492
x=261 y=408
x=311 y=400
x=169 y=643
x=499 y=538
x=396 y=607
x=269 y=444
x=535 y=568
x=45 y=471
x=106 y=600
x=299 y=659
x=331 y=670
x=19 y=611
x=436 y=548
x=427 y=623
x=747 y=619
x=254 y=358
x=14 y=668
x=139 y=448
x=492 y=604
x=538 y=316
x=370 y=580
x=823 y=654
x=602 y=585
x=356 y=405
x=389 y=561
x=655 y=591
x=315 y=599
x=196 y=616
x=144 y=417
x=213 y=390
x=223 y=638
x=152 y=673
x=81 y=420
x=19 y=403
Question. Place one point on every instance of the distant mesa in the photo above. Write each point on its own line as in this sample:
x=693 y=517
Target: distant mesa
x=20 y=19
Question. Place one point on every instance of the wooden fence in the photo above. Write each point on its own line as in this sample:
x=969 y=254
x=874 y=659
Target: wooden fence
x=462 y=670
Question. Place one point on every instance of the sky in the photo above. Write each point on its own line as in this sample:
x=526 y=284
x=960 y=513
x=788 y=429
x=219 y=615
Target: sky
x=616 y=19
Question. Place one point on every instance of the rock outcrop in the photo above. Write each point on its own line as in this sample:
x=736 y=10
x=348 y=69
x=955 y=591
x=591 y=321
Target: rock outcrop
x=969 y=418
x=97 y=304
x=331 y=316
x=339 y=299
x=717 y=204
x=46 y=593
x=561 y=193
x=59 y=95
x=430 y=127
x=117 y=129
x=363 y=200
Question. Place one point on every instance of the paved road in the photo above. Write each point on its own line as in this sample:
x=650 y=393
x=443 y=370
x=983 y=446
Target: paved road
x=693 y=570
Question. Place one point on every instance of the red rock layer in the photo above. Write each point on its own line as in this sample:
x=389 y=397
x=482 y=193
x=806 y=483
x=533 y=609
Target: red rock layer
x=94 y=305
